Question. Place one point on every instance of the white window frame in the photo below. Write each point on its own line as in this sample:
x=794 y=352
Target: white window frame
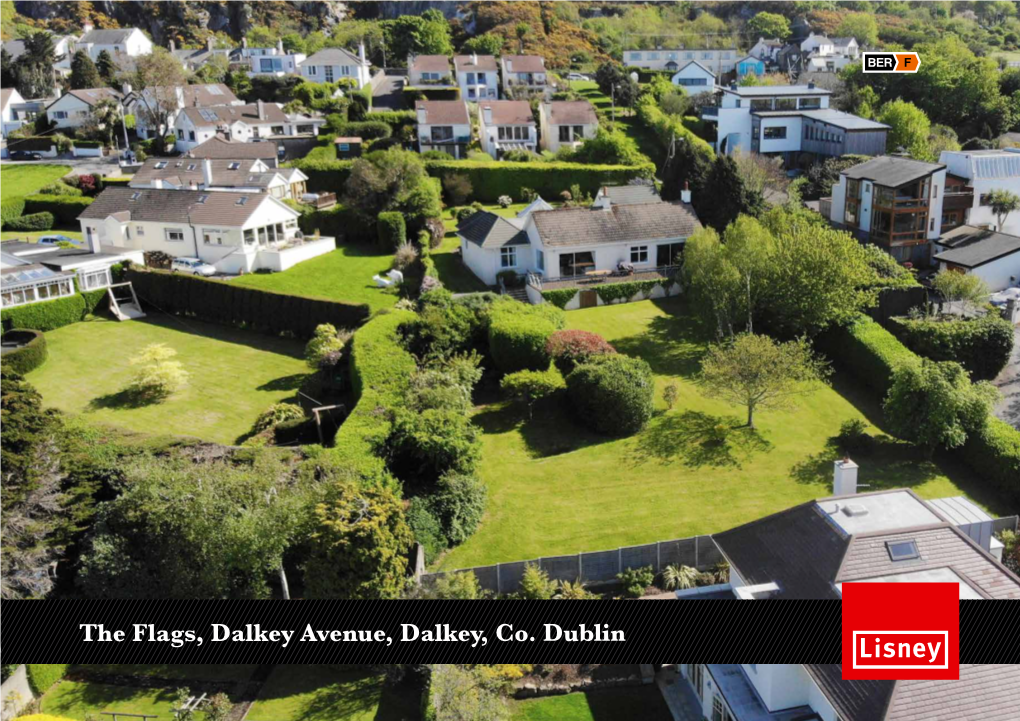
x=168 y=232
x=86 y=279
x=508 y=257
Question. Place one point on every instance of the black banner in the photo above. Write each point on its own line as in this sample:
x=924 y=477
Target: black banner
x=458 y=631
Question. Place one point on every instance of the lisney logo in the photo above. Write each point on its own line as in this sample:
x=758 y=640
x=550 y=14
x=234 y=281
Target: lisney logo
x=901 y=631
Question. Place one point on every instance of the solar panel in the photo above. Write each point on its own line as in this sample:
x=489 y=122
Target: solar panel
x=209 y=115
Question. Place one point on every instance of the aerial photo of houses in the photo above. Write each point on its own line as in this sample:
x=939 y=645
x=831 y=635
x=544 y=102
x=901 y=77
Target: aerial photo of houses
x=507 y=300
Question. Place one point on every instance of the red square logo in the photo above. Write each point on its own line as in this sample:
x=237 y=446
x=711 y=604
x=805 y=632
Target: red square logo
x=901 y=631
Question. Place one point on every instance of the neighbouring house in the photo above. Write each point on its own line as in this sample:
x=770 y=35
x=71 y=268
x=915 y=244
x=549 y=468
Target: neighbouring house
x=750 y=65
x=31 y=273
x=789 y=119
x=983 y=171
x=718 y=60
x=348 y=147
x=523 y=76
x=566 y=123
x=234 y=175
x=507 y=125
x=818 y=692
x=9 y=120
x=477 y=76
x=130 y=42
x=822 y=54
x=566 y=247
x=276 y=62
x=430 y=70
x=219 y=148
x=847 y=46
x=73 y=109
x=62 y=51
x=811 y=550
x=695 y=77
x=818 y=44
x=329 y=65
x=254 y=122
x=766 y=49
x=443 y=125
x=194 y=58
x=141 y=103
x=235 y=232
x=894 y=203
x=992 y=256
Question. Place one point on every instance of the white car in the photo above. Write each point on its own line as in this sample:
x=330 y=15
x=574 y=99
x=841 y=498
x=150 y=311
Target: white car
x=1000 y=299
x=577 y=76
x=194 y=266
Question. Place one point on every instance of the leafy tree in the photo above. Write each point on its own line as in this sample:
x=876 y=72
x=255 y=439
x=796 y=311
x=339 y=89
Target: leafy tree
x=424 y=445
x=360 y=547
x=761 y=173
x=935 y=404
x=768 y=25
x=7 y=78
x=521 y=31
x=609 y=147
x=909 y=128
x=107 y=68
x=1002 y=202
x=961 y=288
x=156 y=79
x=260 y=36
x=159 y=376
x=712 y=282
x=425 y=34
x=461 y=585
x=33 y=69
x=293 y=43
x=757 y=372
x=393 y=180
x=684 y=164
x=617 y=85
x=103 y=121
x=822 y=176
x=486 y=44
x=459 y=504
x=531 y=386
x=83 y=72
x=861 y=26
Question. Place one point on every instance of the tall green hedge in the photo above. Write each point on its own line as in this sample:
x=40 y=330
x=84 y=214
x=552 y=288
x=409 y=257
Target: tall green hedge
x=392 y=230
x=518 y=334
x=666 y=127
x=35 y=143
x=414 y=93
x=867 y=351
x=43 y=676
x=339 y=222
x=52 y=314
x=994 y=452
x=31 y=221
x=982 y=345
x=66 y=208
x=11 y=209
x=29 y=356
x=217 y=301
x=396 y=119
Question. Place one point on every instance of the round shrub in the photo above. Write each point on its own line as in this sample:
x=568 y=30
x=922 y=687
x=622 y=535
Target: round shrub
x=568 y=348
x=33 y=221
x=426 y=528
x=436 y=155
x=275 y=414
x=612 y=394
x=30 y=355
x=981 y=345
x=464 y=213
x=460 y=505
x=59 y=188
x=425 y=445
x=517 y=343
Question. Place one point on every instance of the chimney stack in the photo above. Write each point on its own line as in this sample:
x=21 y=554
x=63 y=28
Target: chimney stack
x=279 y=47
x=811 y=85
x=87 y=27
x=361 y=52
x=602 y=199
x=207 y=172
x=685 y=194
x=844 y=478
x=487 y=115
x=261 y=106
x=93 y=241
x=474 y=58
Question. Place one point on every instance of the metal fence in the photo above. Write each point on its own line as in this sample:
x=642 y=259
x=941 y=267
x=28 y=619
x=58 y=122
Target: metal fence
x=598 y=566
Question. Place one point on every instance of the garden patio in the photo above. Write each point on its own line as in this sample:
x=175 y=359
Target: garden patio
x=556 y=488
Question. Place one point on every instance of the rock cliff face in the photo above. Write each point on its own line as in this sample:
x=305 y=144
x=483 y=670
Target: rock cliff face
x=188 y=20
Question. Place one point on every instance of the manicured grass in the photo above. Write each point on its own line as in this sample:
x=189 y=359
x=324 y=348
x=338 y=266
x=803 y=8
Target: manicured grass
x=235 y=375
x=324 y=693
x=345 y=274
x=626 y=119
x=74 y=700
x=618 y=704
x=20 y=180
x=204 y=672
x=30 y=236
x=556 y=488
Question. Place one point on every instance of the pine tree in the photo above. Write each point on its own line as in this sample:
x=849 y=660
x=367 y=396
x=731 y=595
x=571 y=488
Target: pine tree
x=107 y=68
x=84 y=73
x=724 y=196
x=685 y=165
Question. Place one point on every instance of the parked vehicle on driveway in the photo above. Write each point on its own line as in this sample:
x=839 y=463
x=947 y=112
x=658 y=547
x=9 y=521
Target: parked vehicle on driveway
x=24 y=155
x=194 y=266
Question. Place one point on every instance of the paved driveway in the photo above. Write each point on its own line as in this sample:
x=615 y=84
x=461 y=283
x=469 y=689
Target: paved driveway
x=388 y=95
x=1008 y=383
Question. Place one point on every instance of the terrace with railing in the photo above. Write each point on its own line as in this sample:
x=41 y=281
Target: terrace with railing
x=601 y=277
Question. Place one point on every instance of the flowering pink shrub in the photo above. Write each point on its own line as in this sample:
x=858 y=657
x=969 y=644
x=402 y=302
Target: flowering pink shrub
x=570 y=347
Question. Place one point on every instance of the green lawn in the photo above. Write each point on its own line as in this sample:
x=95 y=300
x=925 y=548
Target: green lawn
x=345 y=274
x=204 y=672
x=20 y=180
x=626 y=119
x=323 y=693
x=618 y=704
x=556 y=488
x=33 y=235
x=74 y=700
x=235 y=375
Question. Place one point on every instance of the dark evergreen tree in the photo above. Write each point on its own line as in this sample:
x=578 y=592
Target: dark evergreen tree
x=684 y=164
x=34 y=68
x=107 y=68
x=724 y=196
x=7 y=78
x=84 y=73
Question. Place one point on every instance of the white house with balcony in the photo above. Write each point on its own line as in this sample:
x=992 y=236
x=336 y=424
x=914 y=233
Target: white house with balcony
x=477 y=76
x=524 y=75
x=235 y=232
x=694 y=78
x=443 y=125
x=566 y=123
x=131 y=42
x=506 y=125
x=232 y=175
x=430 y=70
x=74 y=108
x=275 y=62
x=984 y=171
x=329 y=65
x=719 y=61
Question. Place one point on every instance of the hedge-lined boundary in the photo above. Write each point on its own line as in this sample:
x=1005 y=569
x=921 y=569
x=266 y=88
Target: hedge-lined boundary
x=66 y=208
x=981 y=345
x=223 y=302
x=414 y=93
x=491 y=179
x=380 y=371
x=11 y=209
x=49 y=315
x=666 y=127
x=43 y=676
x=29 y=356
x=870 y=353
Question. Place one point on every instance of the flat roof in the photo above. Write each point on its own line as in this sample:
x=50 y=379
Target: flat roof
x=892 y=171
x=846 y=121
x=743 y=700
x=767 y=90
x=881 y=512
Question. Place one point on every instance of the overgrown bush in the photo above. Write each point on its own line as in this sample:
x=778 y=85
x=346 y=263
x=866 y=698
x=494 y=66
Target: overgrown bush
x=531 y=386
x=158 y=376
x=536 y=584
x=31 y=222
x=458 y=189
x=612 y=394
x=405 y=256
x=567 y=348
x=276 y=414
x=59 y=188
x=459 y=504
x=518 y=334
x=11 y=209
x=426 y=528
x=982 y=345
x=853 y=436
x=425 y=445
x=326 y=348
x=636 y=580
x=392 y=230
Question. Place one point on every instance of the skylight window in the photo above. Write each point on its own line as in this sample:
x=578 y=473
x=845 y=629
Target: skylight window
x=241 y=201
x=160 y=165
x=135 y=196
x=191 y=166
x=902 y=550
x=234 y=166
x=208 y=115
x=202 y=199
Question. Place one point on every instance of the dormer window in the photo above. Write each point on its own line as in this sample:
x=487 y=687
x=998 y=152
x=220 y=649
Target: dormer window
x=902 y=550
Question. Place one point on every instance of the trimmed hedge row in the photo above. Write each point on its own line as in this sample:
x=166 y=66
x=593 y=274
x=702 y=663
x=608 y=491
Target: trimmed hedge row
x=43 y=676
x=392 y=230
x=339 y=222
x=868 y=351
x=11 y=209
x=380 y=371
x=518 y=335
x=35 y=143
x=396 y=119
x=29 y=356
x=981 y=345
x=32 y=221
x=65 y=208
x=666 y=127
x=120 y=182
x=994 y=453
x=217 y=301
x=52 y=314
x=414 y=93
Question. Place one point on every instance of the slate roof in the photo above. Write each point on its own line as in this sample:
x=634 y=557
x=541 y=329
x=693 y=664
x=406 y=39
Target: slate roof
x=5 y=96
x=116 y=36
x=220 y=148
x=509 y=112
x=229 y=114
x=176 y=206
x=444 y=112
x=333 y=56
x=524 y=63
x=572 y=112
x=488 y=230
x=430 y=64
x=853 y=700
x=619 y=224
x=183 y=172
x=695 y=62
x=972 y=247
x=633 y=194
x=486 y=63
x=892 y=171
x=91 y=96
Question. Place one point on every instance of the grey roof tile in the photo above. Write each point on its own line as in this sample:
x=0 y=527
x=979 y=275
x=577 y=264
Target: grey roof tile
x=176 y=206
x=619 y=224
x=489 y=230
x=971 y=247
x=892 y=171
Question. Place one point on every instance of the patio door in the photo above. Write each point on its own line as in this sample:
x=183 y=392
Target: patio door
x=572 y=264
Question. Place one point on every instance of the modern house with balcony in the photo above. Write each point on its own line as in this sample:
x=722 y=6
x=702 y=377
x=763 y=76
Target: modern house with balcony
x=235 y=232
x=981 y=172
x=719 y=61
x=477 y=76
x=566 y=123
x=430 y=70
x=506 y=125
x=893 y=202
x=277 y=62
x=523 y=76
x=443 y=125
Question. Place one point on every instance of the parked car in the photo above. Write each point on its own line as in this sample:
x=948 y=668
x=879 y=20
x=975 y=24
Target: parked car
x=577 y=76
x=194 y=266
x=25 y=155
x=56 y=240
